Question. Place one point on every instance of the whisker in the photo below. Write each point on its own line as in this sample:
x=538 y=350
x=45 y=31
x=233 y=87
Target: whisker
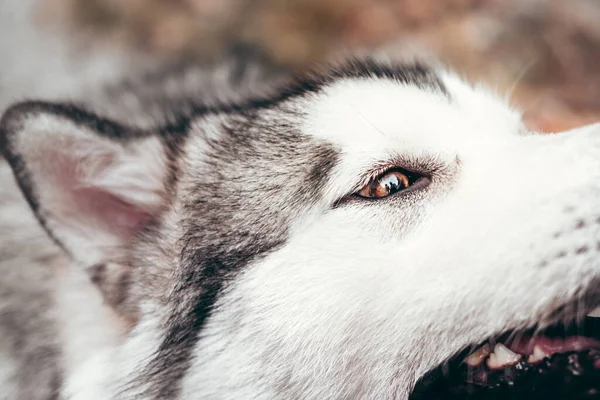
x=367 y=120
x=513 y=336
x=518 y=79
x=536 y=332
x=519 y=336
x=580 y=317
x=532 y=103
x=446 y=369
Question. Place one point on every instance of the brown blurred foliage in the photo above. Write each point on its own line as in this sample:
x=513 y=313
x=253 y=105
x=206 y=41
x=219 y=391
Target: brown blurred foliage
x=544 y=53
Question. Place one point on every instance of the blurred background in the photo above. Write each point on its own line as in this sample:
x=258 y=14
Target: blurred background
x=545 y=54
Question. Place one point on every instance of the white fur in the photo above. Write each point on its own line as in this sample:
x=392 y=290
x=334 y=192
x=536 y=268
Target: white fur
x=362 y=301
x=90 y=332
x=110 y=366
x=8 y=372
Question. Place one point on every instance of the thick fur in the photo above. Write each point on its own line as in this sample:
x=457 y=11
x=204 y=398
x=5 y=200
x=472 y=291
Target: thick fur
x=197 y=236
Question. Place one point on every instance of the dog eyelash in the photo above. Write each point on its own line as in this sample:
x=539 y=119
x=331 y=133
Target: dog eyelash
x=425 y=167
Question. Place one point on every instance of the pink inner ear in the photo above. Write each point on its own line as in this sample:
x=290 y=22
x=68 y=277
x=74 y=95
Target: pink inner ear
x=85 y=208
x=108 y=211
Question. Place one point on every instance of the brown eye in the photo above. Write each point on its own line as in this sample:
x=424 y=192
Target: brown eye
x=387 y=184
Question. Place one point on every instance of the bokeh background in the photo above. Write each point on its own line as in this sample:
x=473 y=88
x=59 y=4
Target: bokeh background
x=545 y=54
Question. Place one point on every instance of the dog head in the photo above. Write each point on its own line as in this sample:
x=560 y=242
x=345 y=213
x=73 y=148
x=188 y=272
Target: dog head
x=336 y=240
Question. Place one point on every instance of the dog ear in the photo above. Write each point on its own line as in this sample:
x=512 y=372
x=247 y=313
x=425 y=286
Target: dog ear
x=92 y=183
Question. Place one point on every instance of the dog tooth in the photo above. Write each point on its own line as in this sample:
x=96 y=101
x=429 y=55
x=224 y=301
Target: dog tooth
x=595 y=313
x=502 y=356
x=538 y=355
x=477 y=357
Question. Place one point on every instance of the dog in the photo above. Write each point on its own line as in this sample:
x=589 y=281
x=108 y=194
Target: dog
x=226 y=233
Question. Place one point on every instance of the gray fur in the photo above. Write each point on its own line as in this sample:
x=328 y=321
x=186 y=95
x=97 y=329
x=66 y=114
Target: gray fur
x=157 y=96
x=243 y=265
x=27 y=320
x=227 y=222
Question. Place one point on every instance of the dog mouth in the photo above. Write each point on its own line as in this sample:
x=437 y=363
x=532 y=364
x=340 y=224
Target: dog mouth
x=559 y=362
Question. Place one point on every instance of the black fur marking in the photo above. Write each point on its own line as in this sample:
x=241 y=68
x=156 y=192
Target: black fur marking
x=55 y=385
x=97 y=273
x=10 y=124
x=415 y=74
x=113 y=281
x=254 y=181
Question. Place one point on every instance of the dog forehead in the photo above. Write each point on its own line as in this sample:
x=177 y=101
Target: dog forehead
x=373 y=117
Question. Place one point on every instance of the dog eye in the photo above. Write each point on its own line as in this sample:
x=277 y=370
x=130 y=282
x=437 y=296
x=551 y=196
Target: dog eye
x=387 y=184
